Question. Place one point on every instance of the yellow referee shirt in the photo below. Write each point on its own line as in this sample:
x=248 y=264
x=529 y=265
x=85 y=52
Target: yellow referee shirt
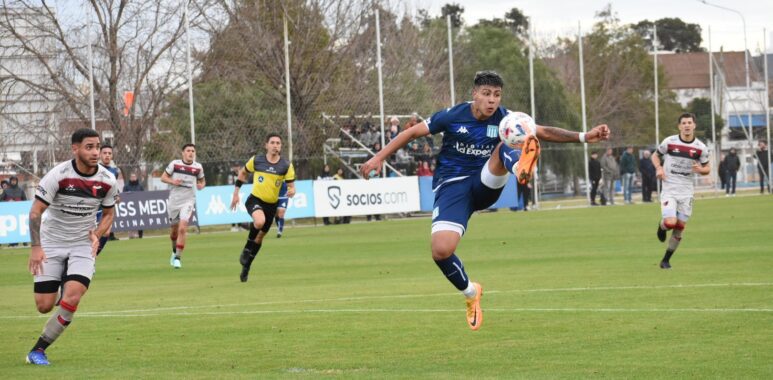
x=268 y=177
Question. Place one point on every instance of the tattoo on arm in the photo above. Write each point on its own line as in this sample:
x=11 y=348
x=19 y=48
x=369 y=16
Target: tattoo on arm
x=554 y=134
x=35 y=229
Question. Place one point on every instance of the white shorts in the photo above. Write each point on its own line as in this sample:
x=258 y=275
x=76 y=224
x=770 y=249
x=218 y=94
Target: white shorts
x=180 y=212
x=78 y=258
x=679 y=207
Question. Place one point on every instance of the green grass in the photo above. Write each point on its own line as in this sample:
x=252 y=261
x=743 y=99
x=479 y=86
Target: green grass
x=569 y=293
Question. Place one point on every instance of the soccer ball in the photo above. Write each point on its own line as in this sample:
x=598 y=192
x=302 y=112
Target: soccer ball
x=515 y=127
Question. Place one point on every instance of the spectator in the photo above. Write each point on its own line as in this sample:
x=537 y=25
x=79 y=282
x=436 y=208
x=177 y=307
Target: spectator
x=609 y=173
x=721 y=171
x=524 y=193
x=394 y=127
x=14 y=193
x=412 y=121
x=3 y=185
x=371 y=175
x=732 y=164
x=594 y=171
x=326 y=175
x=424 y=170
x=426 y=153
x=340 y=176
x=366 y=137
x=133 y=185
x=627 y=172
x=648 y=179
x=763 y=167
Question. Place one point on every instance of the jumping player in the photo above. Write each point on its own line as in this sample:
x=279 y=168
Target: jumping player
x=472 y=169
x=677 y=158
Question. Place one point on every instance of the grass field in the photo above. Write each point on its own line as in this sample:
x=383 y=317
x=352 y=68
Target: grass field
x=568 y=294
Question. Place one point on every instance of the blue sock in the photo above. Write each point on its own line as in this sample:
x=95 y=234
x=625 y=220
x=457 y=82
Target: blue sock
x=509 y=157
x=453 y=268
x=102 y=243
x=280 y=224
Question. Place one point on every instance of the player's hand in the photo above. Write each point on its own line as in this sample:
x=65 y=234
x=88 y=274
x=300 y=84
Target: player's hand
x=199 y=185
x=290 y=192
x=234 y=200
x=37 y=258
x=696 y=168
x=177 y=182
x=94 y=243
x=373 y=164
x=598 y=133
x=660 y=173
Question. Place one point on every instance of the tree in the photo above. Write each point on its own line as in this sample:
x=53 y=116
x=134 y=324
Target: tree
x=455 y=11
x=135 y=48
x=673 y=35
x=514 y=20
x=701 y=108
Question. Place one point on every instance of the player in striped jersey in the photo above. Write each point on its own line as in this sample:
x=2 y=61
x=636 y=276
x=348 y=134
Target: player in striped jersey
x=185 y=176
x=269 y=172
x=70 y=195
x=677 y=158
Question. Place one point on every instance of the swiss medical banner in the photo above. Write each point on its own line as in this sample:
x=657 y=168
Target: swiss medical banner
x=361 y=197
x=144 y=210
x=14 y=222
x=213 y=204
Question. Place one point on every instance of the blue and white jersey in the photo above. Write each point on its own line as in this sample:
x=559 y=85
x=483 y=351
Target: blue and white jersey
x=467 y=141
x=283 y=190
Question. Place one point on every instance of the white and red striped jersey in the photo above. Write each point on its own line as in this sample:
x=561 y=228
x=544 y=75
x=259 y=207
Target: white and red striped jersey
x=73 y=199
x=189 y=174
x=677 y=157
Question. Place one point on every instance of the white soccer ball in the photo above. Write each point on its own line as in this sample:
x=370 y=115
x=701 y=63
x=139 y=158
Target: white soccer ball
x=515 y=127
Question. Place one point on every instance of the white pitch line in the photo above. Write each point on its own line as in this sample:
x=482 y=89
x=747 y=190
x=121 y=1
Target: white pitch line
x=161 y=310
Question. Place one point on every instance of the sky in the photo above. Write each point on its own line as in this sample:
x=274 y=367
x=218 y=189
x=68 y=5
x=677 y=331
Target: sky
x=561 y=17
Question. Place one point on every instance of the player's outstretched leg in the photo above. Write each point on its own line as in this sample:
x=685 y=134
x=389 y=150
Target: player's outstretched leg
x=520 y=162
x=673 y=243
x=453 y=269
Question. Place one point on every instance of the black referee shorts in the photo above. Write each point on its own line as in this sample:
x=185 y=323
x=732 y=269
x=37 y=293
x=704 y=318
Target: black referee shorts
x=254 y=203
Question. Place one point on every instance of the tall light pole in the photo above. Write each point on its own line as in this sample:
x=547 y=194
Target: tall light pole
x=746 y=67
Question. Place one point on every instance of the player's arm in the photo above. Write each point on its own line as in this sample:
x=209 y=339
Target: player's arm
x=702 y=169
x=167 y=179
x=237 y=185
x=402 y=139
x=200 y=183
x=103 y=228
x=555 y=134
x=659 y=172
x=291 y=189
x=37 y=256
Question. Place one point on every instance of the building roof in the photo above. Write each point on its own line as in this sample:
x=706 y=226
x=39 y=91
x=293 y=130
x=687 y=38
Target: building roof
x=691 y=70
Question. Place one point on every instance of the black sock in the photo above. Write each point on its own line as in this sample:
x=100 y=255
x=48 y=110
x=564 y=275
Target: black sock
x=251 y=249
x=667 y=257
x=40 y=345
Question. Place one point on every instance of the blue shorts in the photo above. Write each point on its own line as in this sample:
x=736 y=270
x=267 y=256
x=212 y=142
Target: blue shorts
x=282 y=202
x=456 y=200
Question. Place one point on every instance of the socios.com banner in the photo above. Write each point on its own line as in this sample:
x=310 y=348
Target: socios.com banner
x=214 y=204
x=361 y=197
x=14 y=222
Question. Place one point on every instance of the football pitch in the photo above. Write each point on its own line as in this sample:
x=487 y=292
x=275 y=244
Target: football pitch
x=571 y=293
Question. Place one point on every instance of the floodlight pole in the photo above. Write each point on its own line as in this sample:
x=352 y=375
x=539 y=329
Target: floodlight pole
x=657 y=93
x=533 y=113
x=714 y=176
x=767 y=102
x=380 y=84
x=190 y=72
x=287 y=90
x=451 y=61
x=584 y=116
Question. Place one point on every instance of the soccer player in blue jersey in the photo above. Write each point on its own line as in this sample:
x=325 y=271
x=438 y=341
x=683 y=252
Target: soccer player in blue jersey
x=281 y=208
x=106 y=160
x=472 y=169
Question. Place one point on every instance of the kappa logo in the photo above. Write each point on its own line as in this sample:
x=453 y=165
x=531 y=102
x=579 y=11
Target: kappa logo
x=334 y=196
x=462 y=130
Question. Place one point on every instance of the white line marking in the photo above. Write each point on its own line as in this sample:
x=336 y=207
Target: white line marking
x=181 y=309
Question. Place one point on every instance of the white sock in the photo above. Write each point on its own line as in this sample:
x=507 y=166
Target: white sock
x=471 y=290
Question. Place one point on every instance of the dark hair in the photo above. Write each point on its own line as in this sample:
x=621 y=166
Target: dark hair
x=488 y=78
x=270 y=135
x=188 y=145
x=105 y=147
x=79 y=135
x=686 y=115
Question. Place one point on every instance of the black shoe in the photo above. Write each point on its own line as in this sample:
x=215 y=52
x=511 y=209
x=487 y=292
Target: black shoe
x=661 y=234
x=279 y=235
x=665 y=265
x=244 y=274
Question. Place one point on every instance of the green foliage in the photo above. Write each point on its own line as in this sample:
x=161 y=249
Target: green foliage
x=373 y=305
x=673 y=34
x=701 y=107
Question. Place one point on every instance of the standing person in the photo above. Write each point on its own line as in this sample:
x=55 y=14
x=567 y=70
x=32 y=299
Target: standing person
x=71 y=192
x=14 y=193
x=648 y=180
x=677 y=158
x=185 y=176
x=326 y=175
x=281 y=208
x=106 y=160
x=763 y=166
x=594 y=172
x=134 y=185
x=721 y=171
x=472 y=169
x=732 y=165
x=627 y=172
x=269 y=172
x=610 y=171
x=3 y=185
x=524 y=192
